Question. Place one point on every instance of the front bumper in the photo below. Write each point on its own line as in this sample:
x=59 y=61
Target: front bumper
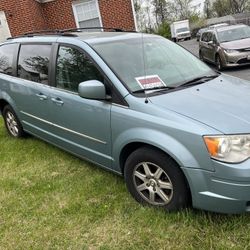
x=236 y=59
x=227 y=190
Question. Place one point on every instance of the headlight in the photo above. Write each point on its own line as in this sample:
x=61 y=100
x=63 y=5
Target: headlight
x=231 y=149
x=229 y=51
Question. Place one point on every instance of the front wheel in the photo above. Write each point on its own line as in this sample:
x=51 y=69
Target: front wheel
x=153 y=178
x=12 y=123
x=218 y=62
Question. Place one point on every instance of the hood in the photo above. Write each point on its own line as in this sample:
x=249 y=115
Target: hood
x=237 y=44
x=222 y=103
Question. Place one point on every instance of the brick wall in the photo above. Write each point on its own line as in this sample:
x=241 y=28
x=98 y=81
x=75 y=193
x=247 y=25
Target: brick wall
x=117 y=13
x=29 y=15
x=59 y=14
x=23 y=15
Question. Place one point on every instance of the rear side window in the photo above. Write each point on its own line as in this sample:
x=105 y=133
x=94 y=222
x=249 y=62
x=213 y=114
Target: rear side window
x=209 y=37
x=204 y=37
x=74 y=67
x=33 y=63
x=6 y=58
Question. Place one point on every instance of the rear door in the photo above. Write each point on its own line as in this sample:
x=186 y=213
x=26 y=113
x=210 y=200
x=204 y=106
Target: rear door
x=30 y=89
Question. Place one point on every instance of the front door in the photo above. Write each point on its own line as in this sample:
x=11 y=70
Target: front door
x=82 y=125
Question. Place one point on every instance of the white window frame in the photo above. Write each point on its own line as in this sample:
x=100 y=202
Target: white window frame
x=74 y=5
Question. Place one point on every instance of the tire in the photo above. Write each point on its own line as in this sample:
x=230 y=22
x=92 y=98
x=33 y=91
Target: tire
x=218 y=63
x=201 y=56
x=12 y=123
x=153 y=178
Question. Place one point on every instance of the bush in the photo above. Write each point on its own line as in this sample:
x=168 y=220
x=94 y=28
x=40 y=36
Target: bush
x=164 y=30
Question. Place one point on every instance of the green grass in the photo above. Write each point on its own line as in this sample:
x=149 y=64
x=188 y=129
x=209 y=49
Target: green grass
x=52 y=200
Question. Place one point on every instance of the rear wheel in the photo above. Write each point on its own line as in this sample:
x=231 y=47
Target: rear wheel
x=153 y=178
x=201 y=56
x=12 y=123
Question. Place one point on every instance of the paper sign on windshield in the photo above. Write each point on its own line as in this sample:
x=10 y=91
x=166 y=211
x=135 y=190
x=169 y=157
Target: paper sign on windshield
x=148 y=82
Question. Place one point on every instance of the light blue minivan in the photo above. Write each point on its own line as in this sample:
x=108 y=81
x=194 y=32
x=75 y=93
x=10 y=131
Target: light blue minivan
x=138 y=105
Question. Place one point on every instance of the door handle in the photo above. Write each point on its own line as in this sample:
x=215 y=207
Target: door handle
x=41 y=96
x=57 y=101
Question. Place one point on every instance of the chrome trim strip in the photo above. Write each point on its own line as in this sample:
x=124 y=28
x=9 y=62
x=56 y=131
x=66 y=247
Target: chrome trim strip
x=207 y=193
x=231 y=183
x=63 y=128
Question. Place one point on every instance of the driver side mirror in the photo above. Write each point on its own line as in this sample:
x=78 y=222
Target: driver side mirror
x=92 y=89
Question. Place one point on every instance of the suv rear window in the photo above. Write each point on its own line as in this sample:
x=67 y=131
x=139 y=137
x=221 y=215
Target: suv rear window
x=6 y=58
x=33 y=63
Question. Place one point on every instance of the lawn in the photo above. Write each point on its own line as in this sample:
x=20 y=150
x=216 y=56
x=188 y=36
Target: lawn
x=52 y=200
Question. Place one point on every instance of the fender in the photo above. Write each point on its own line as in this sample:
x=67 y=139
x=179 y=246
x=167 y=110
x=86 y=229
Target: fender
x=160 y=140
x=4 y=96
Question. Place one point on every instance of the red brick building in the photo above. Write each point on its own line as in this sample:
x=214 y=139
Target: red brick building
x=20 y=16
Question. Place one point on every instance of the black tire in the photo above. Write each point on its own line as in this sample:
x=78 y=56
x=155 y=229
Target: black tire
x=168 y=188
x=201 y=56
x=218 y=63
x=12 y=123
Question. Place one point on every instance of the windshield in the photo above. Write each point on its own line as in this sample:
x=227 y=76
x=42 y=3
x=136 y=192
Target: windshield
x=234 y=34
x=182 y=30
x=150 y=62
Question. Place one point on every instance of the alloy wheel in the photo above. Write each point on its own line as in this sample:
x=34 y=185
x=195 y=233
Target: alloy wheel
x=153 y=183
x=12 y=124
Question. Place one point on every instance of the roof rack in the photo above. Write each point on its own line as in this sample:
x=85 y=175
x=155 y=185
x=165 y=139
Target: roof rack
x=93 y=28
x=67 y=32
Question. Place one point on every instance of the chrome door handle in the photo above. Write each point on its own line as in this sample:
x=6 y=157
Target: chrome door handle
x=57 y=101
x=41 y=96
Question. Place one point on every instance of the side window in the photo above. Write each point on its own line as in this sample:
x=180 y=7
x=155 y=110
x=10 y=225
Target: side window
x=204 y=37
x=6 y=58
x=33 y=63
x=214 y=39
x=209 y=37
x=74 y=67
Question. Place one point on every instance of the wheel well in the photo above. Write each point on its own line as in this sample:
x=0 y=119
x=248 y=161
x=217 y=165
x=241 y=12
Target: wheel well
x=3 y=103
x=130 y=148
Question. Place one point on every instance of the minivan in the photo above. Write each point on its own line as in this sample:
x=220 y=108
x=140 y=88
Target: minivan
x=138 y=105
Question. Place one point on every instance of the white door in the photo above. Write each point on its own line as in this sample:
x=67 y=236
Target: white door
x=4 y=28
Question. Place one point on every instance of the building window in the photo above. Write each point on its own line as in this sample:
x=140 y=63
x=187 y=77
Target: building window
x=87 y=13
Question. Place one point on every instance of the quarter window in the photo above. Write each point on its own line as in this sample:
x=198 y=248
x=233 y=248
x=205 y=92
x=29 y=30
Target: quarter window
x=74 y=67
x=33 y=63
x=6 y=58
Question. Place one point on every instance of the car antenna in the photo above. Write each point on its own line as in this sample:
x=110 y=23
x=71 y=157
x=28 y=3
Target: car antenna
x=144 y=66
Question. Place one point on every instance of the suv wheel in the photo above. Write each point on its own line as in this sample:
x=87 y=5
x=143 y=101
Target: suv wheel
x=12 y=123
x=153 y=178
x=201 y=56
x=218 y=63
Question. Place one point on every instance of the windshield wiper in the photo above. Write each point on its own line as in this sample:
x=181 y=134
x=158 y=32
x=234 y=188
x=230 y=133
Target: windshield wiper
x=198 y=80
x=152 y=89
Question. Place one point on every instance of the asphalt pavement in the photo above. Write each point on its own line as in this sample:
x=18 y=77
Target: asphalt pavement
x=241 y=72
